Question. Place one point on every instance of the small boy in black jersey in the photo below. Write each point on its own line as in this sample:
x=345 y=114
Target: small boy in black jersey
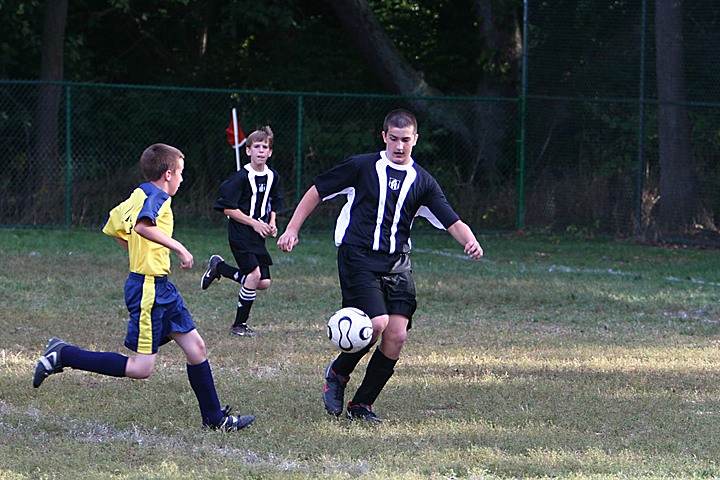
x=385 y=191
x=143 y=225
x=250 y=198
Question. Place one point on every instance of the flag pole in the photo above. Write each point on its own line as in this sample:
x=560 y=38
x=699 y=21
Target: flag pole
x=237 y=142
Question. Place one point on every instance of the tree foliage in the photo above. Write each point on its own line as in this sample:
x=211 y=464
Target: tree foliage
x=295 y=45
x=579 y=51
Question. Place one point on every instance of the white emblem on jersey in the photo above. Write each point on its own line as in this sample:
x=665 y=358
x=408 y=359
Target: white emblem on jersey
x=381 y=167
x=394 y=184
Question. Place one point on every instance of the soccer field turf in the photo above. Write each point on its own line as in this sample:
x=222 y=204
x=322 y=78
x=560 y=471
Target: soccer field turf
x=551 y=357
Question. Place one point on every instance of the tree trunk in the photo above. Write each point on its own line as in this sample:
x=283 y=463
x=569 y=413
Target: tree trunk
x=679 y=202
x=482 y=134
x=47 y=143
x=500 y=32
x=382 y=57
x=388 y=64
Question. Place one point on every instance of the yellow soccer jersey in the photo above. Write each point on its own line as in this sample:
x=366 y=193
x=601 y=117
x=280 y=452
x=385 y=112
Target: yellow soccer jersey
x=146 y=201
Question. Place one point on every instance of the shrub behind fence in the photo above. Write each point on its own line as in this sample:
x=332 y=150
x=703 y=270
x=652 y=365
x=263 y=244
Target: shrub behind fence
x=576 y=151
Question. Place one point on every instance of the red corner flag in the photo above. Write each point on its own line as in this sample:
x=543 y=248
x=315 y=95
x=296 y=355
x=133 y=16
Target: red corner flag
x=230 y=131
x=235 y=136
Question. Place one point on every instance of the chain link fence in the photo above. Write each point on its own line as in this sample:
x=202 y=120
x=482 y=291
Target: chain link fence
x=576 y=152
x=101 y=131
x=592 y=141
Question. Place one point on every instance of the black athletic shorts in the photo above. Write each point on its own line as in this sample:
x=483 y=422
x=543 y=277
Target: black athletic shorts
x=375 y=282
x=247 y=262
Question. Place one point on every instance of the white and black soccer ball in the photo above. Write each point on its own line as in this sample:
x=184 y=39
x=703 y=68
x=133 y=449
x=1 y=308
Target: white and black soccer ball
x=350 y=330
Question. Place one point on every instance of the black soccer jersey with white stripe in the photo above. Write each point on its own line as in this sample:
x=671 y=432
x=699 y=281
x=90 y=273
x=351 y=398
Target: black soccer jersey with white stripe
x=383 y=199
x=254 y=193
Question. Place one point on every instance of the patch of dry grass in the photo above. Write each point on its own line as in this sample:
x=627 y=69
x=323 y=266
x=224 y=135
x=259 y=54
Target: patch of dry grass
x=550 y=358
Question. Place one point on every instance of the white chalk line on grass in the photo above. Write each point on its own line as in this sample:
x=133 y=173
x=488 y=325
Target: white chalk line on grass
x=92 y=432
x=566 y=269
x=610 y=271
x=693 y=280
x=442 y=253
x=594 y=271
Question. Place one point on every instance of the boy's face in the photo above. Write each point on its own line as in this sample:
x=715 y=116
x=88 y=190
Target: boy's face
x=175 y=178
x=259 y=152
x=399 y=143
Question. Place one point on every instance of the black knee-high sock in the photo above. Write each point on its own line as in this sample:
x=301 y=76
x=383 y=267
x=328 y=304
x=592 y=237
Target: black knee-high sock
x=228 y=271
x=202 y=383
x=345 y=363
x=246 y=297
x=379 y=370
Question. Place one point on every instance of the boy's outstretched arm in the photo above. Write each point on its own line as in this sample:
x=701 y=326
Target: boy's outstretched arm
x=307 y=204
x=123 y=243
x=145 y=228
x=464 y=235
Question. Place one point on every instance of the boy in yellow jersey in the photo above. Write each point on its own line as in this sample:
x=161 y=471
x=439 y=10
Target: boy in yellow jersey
x=143 y=224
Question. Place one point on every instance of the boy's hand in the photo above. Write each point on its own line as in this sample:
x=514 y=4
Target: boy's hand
x=186 y=258
x=287 y=240
x=263 y=229
x=473 y=249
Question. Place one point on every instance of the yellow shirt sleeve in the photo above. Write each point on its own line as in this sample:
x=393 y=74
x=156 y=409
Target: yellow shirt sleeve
x=120 y=220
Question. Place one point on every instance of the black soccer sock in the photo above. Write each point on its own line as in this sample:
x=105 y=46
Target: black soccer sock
x=202 y=383
x=246 y=297
x=345 y=363
x=228 y=271
x=379 y=370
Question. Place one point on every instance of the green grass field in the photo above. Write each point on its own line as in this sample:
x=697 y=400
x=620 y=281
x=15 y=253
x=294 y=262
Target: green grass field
x=550 y=358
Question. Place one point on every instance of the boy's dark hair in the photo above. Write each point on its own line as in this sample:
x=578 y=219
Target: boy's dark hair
x=158 y=159
x=399 y=118
x=260 y=135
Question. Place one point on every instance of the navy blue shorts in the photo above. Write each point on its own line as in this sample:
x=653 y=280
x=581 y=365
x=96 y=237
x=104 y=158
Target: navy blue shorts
x=156 y=309
x=377 y=283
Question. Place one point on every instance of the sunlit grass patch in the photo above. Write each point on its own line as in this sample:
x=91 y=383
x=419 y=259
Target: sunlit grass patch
x=550 y=359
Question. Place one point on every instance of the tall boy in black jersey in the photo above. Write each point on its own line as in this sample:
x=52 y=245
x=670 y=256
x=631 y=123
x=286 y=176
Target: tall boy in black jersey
x=385 y=191
x=250 y=198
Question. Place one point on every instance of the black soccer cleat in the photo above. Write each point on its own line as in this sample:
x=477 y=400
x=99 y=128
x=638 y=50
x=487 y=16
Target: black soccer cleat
x=231 y=423
x=360 y=411
x=242 y=330
x=334 y=392
x=50 y=362
x=211 y=274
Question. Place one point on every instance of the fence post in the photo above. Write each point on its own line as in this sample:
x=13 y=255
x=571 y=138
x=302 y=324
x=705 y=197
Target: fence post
x=520 y=219
x=299 y=165
x=68 y=156
x=641 y=124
